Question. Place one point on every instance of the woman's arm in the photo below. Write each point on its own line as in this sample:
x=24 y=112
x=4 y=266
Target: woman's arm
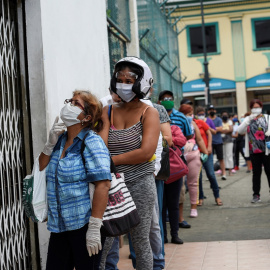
x=43 y=161
x=209 y=141
x=104 y=133
x=179 y=138
x=100 y=198
x=199 y=139
x=151 y=130
x=165 y=129
x=213 y=131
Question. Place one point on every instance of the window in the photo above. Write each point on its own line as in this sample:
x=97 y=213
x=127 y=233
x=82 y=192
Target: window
x=195 y=41
x=261 y=33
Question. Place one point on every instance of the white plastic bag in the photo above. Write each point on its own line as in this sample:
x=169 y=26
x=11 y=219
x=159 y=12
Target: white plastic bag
x=39 y=202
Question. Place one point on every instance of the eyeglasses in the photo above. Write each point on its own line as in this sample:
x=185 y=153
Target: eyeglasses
x=74 y=103
x=201 y=114
x=127 y=75
x=167 y=98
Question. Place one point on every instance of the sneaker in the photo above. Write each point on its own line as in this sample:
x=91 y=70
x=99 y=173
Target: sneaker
x=193 y=213
x=184 y=225
x=223 y=177
x=248 y=171
x=256 y=199
x=233 y=171
x=218 y=172
x=236 y=168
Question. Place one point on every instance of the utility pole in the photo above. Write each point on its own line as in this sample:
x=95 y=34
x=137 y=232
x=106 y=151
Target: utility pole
x=206 y=73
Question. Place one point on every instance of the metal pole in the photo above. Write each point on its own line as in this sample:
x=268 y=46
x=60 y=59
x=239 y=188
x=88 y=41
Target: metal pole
x=206 y=73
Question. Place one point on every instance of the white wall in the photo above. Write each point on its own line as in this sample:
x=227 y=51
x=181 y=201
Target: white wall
x=75 y=48
x=67 y=48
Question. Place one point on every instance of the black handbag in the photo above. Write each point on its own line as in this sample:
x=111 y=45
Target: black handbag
x=164 y=172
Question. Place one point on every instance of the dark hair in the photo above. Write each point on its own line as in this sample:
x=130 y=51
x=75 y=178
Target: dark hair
x=93 y=107
x=200 y=109
x=225 y=112
x=252 y=102
x=185 y=109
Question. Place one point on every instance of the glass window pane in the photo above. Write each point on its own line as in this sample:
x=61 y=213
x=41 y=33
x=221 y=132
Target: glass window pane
x=196 y=39
x=262 y=33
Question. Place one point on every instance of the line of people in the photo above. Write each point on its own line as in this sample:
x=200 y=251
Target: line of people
x=127 y=128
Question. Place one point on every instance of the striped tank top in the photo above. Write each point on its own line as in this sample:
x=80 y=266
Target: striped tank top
x=126 y=140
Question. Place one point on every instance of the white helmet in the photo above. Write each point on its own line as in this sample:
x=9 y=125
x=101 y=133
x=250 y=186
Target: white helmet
x=143 y=83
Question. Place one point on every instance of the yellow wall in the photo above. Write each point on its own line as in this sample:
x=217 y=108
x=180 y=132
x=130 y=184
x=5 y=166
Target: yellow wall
x=222 y=66
x=256 y=62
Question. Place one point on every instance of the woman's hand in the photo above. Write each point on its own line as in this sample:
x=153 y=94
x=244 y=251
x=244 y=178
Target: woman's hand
x=56 y=130
x=151 y=130
x=100 y=200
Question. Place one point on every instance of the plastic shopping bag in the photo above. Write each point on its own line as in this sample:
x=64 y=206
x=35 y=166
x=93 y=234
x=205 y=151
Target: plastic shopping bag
x=35 y=194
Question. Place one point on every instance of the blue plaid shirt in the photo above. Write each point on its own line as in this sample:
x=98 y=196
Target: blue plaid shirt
x=68 y=180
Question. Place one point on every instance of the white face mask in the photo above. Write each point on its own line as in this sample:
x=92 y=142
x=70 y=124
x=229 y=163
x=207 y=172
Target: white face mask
x=125 y=92
x=201 y=117
x=69 y=115
x=256 y=111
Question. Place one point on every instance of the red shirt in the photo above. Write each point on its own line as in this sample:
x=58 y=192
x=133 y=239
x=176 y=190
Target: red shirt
x=203 y=127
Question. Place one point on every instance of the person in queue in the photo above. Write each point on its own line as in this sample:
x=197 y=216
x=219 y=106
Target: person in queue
x=193 y=157
x=217 y=142
x=206 y=132
x=75 y=225
x=227 y=129
x=131 y=130
x=166 y=98
x=110 y=252
x=257 y=145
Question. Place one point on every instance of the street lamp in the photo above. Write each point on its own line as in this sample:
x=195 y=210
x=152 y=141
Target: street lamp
x=205 y=63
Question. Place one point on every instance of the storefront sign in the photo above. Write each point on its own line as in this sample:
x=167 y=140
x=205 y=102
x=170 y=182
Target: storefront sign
x=259 y=81
x=215 y=84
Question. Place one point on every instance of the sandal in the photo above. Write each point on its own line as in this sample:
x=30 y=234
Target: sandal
x=200 y=203
x=219 y=202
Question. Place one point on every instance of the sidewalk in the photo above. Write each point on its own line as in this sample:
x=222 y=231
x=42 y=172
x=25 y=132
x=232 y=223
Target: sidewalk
x=229 y=255
x=235 y=236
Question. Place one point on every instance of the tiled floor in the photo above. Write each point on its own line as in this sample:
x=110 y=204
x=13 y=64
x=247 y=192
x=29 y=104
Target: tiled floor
x=229 y=255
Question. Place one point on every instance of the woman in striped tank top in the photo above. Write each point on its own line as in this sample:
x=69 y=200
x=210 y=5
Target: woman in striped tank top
x=131 y=131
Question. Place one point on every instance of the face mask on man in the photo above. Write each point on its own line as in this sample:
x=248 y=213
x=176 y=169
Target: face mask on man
x=69 y=114
x=124 y=91
x=212 y=114
x=256 y=111
x=224 y=117
x=168 y=104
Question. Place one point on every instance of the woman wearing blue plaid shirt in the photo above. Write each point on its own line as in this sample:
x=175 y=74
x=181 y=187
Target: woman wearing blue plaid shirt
x=73 y=223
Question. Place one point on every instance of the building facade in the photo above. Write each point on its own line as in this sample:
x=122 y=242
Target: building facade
x=238 y=51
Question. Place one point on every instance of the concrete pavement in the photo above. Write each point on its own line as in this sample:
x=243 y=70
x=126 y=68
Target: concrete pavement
x=232 y=236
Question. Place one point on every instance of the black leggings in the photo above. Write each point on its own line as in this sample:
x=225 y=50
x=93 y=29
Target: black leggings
x=171 y=197
x=257 y=161
x=68 y=250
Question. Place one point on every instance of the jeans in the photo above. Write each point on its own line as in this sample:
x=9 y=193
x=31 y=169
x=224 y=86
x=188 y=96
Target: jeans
x=160 y=192
x=209 y=169
x=171 y=201
x=113 y=256
x=155 y=236
x=257 y=161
